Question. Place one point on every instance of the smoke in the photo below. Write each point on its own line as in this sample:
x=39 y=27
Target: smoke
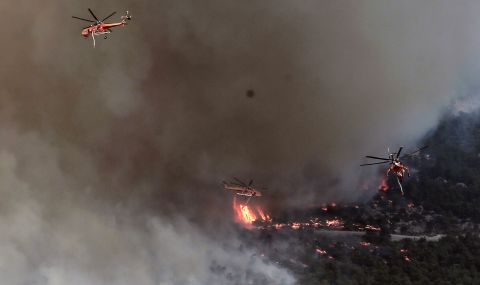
x=54 y=232
x=113 y=156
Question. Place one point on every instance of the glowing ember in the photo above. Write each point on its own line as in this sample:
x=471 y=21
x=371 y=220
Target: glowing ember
x=383 y=185
x=372 y=228
x=314 y=223
x=321 y=251
x=334 y=223
x=406 y=258
x=278 y=226
x=296 y=226
x=325 y=209
x=364 y=244
x=403 y=250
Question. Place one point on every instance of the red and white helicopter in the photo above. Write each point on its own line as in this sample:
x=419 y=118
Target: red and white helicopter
x=242 y=189
x=98 y=27
x=395 y=166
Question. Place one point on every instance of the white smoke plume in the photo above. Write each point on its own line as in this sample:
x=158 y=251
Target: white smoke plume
x=53 y=232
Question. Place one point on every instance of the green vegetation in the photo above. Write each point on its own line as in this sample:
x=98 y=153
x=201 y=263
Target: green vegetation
x=449 y=178
x=452 y=260
x=446 y=180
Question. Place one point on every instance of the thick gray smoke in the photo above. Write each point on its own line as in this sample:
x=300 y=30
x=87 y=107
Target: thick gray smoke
x=111 y=158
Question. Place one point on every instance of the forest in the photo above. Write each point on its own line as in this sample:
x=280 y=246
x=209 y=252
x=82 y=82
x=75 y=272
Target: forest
x=446 y=180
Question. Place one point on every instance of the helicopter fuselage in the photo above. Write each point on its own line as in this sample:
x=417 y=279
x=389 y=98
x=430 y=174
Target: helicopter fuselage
x=243 y=191
x=100 y=29
x=398 y=168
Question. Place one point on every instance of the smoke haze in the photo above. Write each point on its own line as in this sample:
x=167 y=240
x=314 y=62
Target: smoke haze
x=112 y=158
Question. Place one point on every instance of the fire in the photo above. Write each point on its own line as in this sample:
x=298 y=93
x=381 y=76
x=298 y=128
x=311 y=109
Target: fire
x=278 y=226
x=246 y=215
x=263 y=216
x=372 y=228
x=334 y=223
x=364 y=244
x=296 y=226
x=321 y=251
x=383 y=185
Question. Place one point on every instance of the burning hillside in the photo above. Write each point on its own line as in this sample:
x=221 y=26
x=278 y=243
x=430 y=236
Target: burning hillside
x=389 y=214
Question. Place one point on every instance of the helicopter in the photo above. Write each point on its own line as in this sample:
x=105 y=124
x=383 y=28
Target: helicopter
x=396 y=166
x=242 y=189
x=98 y=27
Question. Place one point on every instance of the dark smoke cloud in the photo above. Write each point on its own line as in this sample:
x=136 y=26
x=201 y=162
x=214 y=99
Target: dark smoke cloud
x=145 y=126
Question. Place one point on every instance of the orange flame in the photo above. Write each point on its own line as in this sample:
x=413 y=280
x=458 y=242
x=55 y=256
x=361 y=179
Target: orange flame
x=263 y=216
x=246 y=215
x=334 y=223
x=383 y=185
x=296 y=226
x=279 y=226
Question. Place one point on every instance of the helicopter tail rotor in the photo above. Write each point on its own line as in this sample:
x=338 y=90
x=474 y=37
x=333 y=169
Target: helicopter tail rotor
x=126 y=18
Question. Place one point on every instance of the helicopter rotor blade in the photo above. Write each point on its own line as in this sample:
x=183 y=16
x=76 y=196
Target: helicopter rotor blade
x=109 y=16
x=83 y=19
x=376 y=157
x=374 y=163
x=91 y=12
x=240 y=181
x=418 y=150
x=250 y=184
x=231 y=183
x=399 y=151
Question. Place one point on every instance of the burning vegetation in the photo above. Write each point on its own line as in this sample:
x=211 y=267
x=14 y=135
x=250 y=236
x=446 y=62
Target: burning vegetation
x=392 y=238
x=246 y=215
